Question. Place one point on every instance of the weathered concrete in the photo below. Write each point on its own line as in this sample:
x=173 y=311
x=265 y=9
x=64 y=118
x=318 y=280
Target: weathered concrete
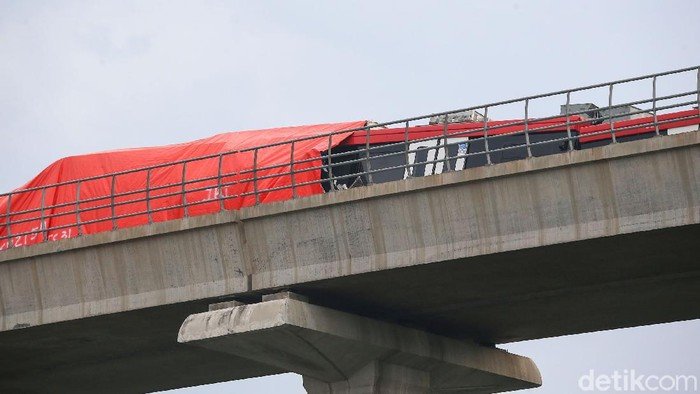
x=577 y=242
x=338 y=352
x=377 y=377
x=131 y=352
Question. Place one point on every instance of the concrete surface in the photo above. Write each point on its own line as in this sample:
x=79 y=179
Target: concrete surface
x=131 y=352
x=576 y=242
x=341 y=352
x=375 y=377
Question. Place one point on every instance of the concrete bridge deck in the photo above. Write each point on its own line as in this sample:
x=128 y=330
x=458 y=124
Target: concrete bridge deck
x=576 y=242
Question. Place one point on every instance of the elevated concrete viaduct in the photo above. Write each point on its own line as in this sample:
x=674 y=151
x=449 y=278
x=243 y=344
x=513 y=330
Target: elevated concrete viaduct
x=576 y=242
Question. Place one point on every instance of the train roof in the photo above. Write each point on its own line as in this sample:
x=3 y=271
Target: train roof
x=588 y=129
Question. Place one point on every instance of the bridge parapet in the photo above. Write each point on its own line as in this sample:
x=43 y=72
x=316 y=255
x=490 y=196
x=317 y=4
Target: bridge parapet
x=561 y=244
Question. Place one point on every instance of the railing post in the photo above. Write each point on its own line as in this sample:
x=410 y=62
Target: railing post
x=77 y=208
x=42 y=226
x=409 y=168
x=653 y=104
x=527 y=134
x=184 y=191
x=330 y=164
x=368 y=164
x=114 y=215
x=698 y=82
x=218 y=183
x=291 y=171
x=610 y=115
x=148 y=196
x=568 y=122
x=255 y=176
x=446 y=160
x=8 y=222
x=486 y=135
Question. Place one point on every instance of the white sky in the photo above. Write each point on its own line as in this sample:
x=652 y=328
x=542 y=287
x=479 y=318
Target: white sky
x=77 y=77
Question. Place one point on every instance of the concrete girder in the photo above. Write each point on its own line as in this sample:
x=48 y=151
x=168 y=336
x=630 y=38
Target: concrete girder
x=339 y=352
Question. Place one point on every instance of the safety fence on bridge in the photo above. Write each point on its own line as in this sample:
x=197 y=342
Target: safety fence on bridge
x=322 y=162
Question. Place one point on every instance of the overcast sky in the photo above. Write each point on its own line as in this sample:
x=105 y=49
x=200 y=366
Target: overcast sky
x=78 y=77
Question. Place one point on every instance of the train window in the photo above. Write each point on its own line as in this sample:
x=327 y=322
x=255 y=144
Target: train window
x=428 y=157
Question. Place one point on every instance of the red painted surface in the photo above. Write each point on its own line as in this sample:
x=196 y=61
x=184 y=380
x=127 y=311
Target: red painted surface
x=639 y=126
x=469 y=129
x=96 y=192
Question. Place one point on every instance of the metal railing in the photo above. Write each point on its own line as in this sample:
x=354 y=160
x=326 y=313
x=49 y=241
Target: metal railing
x=156 y=202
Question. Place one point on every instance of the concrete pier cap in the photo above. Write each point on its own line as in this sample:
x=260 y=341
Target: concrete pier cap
x=339 y=352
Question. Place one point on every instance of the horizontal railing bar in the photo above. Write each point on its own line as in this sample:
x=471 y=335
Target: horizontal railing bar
x=289 y=168
x=491 y=128
x=361 y=150
x=374 y=126
x=435 y=161
x=357 y=151
x=547 y=127
x=189 y=204
x=173 y=185
x=483 y=152
x=475 y=130
x=127 y=202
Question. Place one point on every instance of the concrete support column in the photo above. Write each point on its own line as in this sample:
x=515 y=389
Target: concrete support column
x=375 y=377
x=339 y=352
